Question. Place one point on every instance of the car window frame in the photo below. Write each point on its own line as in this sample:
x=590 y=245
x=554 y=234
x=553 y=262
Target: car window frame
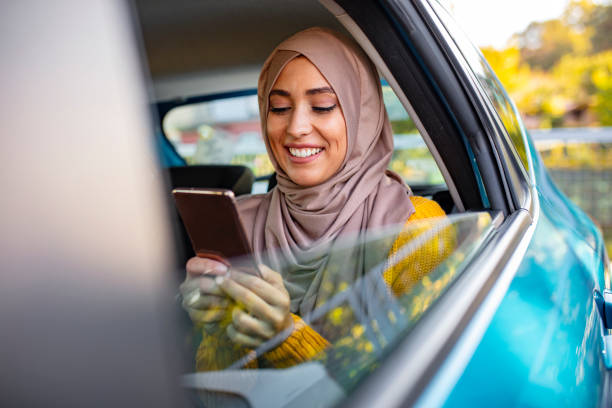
x=517 y=177
x=438 y=129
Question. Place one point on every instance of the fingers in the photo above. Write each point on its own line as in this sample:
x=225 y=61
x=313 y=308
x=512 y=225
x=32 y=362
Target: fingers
x=203 y=285
x=241 y=338
x=253 y=303
x=197 y=266
x=276 y=316
x=205 y=302
x=249 y=325
x=206 y=316
x=269 y=293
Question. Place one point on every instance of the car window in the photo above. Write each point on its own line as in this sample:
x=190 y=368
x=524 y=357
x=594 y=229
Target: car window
x=488 y=80
x=226 y=130
x=403 y=271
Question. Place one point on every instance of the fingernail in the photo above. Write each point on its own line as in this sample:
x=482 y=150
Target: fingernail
x=219 y=280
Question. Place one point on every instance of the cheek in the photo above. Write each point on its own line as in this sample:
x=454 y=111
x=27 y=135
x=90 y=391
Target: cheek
x=340 y=137
x=275 y=131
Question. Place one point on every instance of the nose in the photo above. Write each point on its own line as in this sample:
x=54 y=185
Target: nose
x=299 y=122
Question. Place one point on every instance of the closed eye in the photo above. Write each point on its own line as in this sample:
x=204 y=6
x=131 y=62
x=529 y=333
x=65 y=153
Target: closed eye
x=279 y=110
x=324 y=108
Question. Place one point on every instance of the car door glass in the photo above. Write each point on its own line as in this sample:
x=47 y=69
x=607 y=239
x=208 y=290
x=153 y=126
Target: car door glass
x=403 y=270
x=226 y=130
x=488 y=80
x=411 y=158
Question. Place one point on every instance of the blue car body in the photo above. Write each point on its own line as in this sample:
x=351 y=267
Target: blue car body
x=544 y=345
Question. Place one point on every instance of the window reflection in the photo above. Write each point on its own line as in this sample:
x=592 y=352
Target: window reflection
x=356 y=323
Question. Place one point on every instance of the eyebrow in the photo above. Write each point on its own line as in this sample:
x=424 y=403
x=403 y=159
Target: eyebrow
x=314 y=91
x=279 y=92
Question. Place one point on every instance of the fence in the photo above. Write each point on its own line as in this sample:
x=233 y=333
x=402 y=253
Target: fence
x=580 y=163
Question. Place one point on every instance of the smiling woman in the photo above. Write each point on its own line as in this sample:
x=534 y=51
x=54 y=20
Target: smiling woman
x=305 y=125
x=329 y=139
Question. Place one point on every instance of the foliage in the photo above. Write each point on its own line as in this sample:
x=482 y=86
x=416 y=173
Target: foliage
x=416 y=166
x=403 y=126
x=508 y=66
x=543 y=44
x=601 y=77
x=577 y=156
x=559 y=72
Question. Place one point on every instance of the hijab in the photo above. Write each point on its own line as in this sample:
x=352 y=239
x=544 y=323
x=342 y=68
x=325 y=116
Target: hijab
x=293 y=229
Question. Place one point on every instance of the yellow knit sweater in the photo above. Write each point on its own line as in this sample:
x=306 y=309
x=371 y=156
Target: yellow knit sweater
x=217 y=351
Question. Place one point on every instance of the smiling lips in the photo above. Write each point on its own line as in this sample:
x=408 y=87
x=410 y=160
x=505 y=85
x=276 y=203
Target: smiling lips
x=304 y=154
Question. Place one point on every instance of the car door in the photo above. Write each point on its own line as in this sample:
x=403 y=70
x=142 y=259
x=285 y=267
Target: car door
x=549 y=285
x=511 y=150
x=555 y=351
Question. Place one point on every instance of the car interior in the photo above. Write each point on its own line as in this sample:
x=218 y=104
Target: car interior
x=203 y=59
x=203 y=87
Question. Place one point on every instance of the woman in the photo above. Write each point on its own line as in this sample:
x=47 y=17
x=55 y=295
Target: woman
x=330 y=141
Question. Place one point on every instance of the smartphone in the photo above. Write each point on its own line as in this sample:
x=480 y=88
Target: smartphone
x=214 y=227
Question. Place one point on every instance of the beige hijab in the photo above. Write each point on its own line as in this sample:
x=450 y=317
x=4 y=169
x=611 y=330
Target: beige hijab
x=292 y=228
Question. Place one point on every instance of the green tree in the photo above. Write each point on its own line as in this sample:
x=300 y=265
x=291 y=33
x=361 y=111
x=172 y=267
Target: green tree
x=602 y=80
x=560 y=66
x=508 y=66
x=543 y=44
x=594 y=20
x=601 y=21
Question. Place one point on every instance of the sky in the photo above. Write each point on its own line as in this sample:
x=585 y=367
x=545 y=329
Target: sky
x=492 y=22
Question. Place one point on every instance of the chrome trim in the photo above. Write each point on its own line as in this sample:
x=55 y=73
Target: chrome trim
x=360 y=37
x=451 y=329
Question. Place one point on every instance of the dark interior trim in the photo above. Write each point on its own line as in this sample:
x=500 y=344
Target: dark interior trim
x=498 y=172
x=411 y=74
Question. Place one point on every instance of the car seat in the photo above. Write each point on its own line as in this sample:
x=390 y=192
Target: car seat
x=237 y=178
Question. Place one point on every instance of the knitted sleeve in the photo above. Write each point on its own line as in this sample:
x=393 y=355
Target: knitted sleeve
x=405 y=270
x=302 y=345
x=217 y=351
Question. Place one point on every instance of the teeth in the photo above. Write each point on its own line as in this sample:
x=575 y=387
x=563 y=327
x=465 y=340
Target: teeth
x=303 y=152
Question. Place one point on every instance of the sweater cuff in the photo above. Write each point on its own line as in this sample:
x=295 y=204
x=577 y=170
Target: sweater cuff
x=302 y=345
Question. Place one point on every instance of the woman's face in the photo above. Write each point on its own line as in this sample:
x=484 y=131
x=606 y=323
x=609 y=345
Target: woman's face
x=305 y=126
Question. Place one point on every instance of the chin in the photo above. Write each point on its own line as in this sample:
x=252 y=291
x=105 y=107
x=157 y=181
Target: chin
x=306 y=180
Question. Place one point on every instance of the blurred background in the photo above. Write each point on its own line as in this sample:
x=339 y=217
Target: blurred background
x=554 y=57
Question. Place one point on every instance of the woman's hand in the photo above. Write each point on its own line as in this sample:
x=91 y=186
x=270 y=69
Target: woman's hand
x=266 y=302
x=202 y=298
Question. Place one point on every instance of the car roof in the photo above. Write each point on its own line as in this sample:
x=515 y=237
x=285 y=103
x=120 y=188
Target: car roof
x=188 y=41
